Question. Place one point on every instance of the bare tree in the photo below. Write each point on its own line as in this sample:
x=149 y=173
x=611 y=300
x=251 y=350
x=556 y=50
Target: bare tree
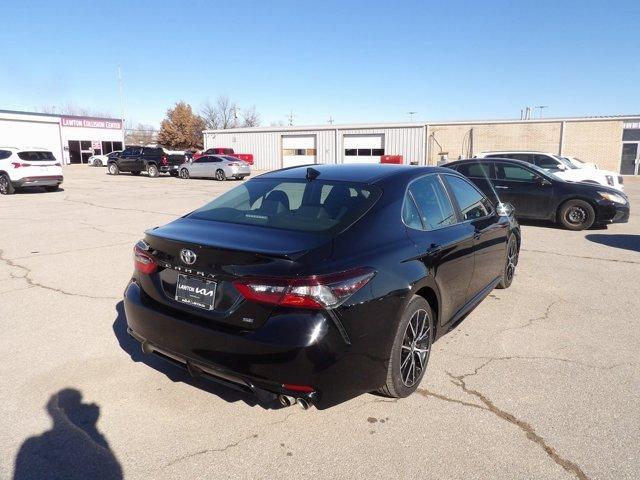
x=71 y=108
x=250 y=117
x=140 y=134
x=226 y=111
x=209 y=114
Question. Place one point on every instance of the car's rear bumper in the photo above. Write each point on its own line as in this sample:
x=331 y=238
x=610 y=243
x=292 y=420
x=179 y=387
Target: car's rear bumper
x=293 y=347
x=38 y=181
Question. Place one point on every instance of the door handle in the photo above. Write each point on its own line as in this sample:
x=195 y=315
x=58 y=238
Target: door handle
x=434 y=249
x=501 y=187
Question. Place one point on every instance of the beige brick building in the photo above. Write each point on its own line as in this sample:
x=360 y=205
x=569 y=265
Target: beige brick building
x=612 y=142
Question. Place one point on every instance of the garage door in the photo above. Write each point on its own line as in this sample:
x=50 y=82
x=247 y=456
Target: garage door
x=363 y=148
x=31 y=135
x=298 y=150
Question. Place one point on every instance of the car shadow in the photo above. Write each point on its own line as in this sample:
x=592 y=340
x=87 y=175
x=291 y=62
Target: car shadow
x=176 y=373
x=555 y=226
x=34 y=190
x=73 y=448
x=618 y=240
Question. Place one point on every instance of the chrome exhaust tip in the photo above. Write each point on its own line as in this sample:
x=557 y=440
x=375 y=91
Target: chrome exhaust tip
x=146 y=347
x=286 y=400
x=304 y=404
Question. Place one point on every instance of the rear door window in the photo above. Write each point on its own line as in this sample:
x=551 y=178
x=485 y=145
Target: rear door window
x=545 y=161
x=299 y=205
x=4 y=154
x=471 y=202
x=476 y=170
x=432 y=201
x=514 y=173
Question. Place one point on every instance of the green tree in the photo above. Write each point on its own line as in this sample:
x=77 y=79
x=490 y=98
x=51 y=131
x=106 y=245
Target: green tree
x=182 y=128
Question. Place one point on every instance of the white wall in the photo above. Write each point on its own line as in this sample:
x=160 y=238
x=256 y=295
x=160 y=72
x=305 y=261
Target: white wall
x=31 y=134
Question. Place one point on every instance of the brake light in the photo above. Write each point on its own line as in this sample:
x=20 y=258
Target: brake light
x=20 y=164
x=317 y=292
x=165 y=160
x=143 y=262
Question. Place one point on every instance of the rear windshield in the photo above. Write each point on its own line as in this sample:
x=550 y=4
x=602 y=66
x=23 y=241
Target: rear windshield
x=36 y=156
x=316 y=206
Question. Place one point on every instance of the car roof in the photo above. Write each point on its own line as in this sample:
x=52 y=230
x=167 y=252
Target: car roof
x=360 y=173
x=481 y=160
x=515 y=151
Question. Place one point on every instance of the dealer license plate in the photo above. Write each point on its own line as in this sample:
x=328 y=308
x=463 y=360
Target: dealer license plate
x=195 y=292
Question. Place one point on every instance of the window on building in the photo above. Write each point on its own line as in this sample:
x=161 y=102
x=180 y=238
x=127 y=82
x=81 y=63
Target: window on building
x=350 y=152
x=377 y=152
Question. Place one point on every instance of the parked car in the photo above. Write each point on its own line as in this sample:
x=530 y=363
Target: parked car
x=245 y=157
x=102 y=160
x=153 y=160
x=219 y=167
x=562 y=167
x=29 y=167
x=314 y=285
x=537 y=194
x=576 y=162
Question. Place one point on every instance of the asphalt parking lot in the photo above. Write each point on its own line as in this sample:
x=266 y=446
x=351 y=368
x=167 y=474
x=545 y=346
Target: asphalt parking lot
x=541 y=381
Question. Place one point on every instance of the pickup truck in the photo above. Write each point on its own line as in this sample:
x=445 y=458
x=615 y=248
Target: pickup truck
x=245 y=157
x=153 y=160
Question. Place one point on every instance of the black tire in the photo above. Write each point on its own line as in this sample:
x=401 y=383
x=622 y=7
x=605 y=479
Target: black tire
x=135 y=173
x=409 y=359
x=173 y=173
x=52 y=188
x=510 y=264
x=576 y=215
x=113 y=169
x=152 y=171
x=97 y=163
x=6 y=188
x=220 y=176
x=184 y=173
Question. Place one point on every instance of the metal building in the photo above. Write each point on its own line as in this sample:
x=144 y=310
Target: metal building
x=593 y=139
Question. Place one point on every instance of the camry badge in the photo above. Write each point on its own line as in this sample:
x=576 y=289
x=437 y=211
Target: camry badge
x=188 y=256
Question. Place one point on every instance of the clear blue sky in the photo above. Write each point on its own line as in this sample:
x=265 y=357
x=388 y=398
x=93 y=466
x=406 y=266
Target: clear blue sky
x=360 y=61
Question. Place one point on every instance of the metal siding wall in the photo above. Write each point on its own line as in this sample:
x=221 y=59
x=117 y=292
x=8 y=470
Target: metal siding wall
x=266 y=147
x=408 y=142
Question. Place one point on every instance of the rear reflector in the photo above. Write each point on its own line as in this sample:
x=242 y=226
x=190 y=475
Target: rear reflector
x=143 y=262
x=297 y=388
x=318 y=291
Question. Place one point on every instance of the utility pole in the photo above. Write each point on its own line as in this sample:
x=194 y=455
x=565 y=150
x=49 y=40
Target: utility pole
x=121 y=94
x=411 y=114
x=541 y=107
x=291 y=118
x=235 y=116
x=330 y=121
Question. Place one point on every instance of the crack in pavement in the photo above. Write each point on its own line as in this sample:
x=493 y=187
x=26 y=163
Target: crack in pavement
x=226 y=447
x=35 y=255
x=529 y=431
x=532 y=320
x=67 y=199
x=489 y=406
x=26 y=277
x=556 y=359
x=581 y=256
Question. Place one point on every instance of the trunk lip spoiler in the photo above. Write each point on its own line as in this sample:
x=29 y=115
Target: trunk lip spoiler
x=291 y=256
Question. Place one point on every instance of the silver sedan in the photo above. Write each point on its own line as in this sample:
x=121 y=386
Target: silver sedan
x=219 y=167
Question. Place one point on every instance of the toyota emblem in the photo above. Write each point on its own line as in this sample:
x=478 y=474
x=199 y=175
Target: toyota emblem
x=188 y=256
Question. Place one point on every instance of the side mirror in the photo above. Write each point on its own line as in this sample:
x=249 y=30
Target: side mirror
x=504 y=209
x=562 y=167
x=542 y=182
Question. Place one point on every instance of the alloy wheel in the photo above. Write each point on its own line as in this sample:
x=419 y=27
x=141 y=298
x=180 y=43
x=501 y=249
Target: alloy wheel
x=415 y=348
x=220 y=175
x=512 y=258
x=4 y=185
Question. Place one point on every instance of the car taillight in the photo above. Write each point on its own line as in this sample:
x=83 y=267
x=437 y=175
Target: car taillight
x=233 y=164
x=165 y=160
x=318 y=291
x=20 y=164
x=143 y=262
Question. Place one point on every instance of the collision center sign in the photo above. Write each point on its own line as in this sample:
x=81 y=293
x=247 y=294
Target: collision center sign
x=90 y=123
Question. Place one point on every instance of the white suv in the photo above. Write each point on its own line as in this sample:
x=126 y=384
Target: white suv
x=28 y=167
x=561 y=167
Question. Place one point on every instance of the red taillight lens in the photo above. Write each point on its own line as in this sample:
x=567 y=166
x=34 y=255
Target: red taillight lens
x=318 y=291
x=20 y=164
x=165 y=160
x=143 y=262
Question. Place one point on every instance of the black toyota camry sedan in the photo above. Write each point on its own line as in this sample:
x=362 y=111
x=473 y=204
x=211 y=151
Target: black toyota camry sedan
x=540 y=195
x=316 y=284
